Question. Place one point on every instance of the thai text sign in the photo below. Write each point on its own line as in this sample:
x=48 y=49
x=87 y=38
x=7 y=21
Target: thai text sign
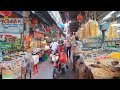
x=11 y=25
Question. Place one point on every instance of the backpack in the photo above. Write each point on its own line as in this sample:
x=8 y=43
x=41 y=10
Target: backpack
x=63 y=57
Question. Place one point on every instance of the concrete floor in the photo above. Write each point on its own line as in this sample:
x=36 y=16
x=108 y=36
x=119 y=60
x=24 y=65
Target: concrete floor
x=46 y=69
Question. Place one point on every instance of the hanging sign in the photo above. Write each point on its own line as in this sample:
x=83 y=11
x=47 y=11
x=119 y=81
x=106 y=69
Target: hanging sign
x=104 y=26
x=26 y=13
x=11 y=25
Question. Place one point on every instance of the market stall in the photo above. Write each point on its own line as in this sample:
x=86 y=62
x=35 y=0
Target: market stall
x=101 y=59
x=99 y=64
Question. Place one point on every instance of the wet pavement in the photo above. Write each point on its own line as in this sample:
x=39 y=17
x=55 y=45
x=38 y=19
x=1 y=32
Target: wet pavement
x=46 y=69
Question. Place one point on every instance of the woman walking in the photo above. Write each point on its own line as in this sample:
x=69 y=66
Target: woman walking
x=68 y=46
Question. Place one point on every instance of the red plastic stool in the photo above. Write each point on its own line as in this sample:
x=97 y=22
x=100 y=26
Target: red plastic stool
x=35 y=69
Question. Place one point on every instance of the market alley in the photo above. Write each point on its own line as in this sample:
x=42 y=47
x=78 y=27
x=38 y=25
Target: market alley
x=46 y=70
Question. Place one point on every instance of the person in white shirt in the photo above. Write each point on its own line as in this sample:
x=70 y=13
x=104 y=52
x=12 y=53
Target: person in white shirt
x=54 y=46
x=52 y=56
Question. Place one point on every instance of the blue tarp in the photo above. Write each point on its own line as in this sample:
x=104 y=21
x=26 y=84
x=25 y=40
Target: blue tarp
x=60 y=25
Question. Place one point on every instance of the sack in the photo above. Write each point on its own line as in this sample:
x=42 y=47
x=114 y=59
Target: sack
x=63 y=57
x=82 y=71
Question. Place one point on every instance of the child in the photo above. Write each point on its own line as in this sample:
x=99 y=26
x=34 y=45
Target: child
x=52 y=56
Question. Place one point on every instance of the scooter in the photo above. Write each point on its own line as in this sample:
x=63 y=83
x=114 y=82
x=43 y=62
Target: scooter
x=58 y=67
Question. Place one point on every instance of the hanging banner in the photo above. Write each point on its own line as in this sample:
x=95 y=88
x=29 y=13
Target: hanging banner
x=14 y=25
x=26 y=13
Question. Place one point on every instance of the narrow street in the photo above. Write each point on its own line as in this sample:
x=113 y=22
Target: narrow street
x=46 y=69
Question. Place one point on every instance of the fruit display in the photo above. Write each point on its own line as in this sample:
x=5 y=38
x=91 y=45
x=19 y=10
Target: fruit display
x=114 y=55
x=6 y=58
x=101 y=58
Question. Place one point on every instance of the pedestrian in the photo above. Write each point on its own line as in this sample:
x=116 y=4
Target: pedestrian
x=68 y=46
x=76 y=54
x=79 y=43
x=54 y=45
x=52 y=56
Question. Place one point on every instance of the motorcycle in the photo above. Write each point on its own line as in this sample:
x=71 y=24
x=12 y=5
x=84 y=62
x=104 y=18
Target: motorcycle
x=59 y=67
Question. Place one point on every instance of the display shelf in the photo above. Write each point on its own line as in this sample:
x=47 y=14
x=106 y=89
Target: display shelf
x=112 y=40
x=12 y=32
x=91 y=42
x=93 y=47
x=114 y=44
x=8 y=43
x=113 y=49
x=40 y=39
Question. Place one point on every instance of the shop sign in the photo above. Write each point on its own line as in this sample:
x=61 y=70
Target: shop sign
x=11 y=25
x=104 y=26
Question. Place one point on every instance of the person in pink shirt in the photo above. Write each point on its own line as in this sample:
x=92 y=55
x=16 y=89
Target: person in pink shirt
x=67 y=43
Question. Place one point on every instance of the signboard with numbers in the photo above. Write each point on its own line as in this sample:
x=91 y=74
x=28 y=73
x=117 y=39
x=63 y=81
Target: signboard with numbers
x=11 y=25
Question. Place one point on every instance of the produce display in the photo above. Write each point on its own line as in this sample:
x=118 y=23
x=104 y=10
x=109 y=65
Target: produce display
x=38 y=35
x=10 y=43
x=102 y=63
x=17 y=66
x=28 y=39
x=115 y=55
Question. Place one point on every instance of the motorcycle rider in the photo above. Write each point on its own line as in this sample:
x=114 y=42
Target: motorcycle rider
x=54 y=45
x=63 y=56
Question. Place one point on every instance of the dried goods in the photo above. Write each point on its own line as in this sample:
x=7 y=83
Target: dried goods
x=114 y=63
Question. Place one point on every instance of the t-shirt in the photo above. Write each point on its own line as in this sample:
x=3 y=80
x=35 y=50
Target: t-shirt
x=67 y=43
x=54 y=45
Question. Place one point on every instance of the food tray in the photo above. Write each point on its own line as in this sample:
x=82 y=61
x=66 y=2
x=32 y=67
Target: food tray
x=109 y=63
x=99 y=73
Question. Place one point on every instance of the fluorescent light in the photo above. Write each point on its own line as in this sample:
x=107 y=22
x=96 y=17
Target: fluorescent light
x=109 y=15
x=118 y=15
x=118 y=30
x=115 y=24
x=33 y=12
x=69 y=21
